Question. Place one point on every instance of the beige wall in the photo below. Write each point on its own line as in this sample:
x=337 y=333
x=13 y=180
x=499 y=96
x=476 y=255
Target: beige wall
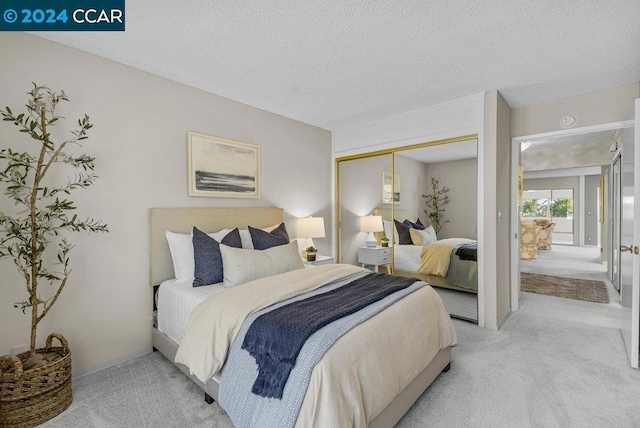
x=605 y=243
x=490 y=241
x=139 y=141
x=461 y=177
x=415 y=182
x=590 y=213
x=611 y=105
x=497 y=179
x=503 y=204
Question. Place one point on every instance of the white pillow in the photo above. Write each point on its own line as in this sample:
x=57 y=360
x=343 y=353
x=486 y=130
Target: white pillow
x=420 y=237
x=245 y=236
x=431 y=231
x=242 y=265
x=388 y=227
x=181 y=247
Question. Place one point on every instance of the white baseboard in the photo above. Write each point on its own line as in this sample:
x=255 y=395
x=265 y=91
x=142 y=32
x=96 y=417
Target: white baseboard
x=500 y=324
x=112 y=362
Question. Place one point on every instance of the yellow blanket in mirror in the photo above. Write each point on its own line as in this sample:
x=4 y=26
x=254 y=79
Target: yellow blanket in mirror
x=435 y=257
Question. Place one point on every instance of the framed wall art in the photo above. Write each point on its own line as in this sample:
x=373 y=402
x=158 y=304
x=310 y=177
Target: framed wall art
x=222 y=168
x=388 y=181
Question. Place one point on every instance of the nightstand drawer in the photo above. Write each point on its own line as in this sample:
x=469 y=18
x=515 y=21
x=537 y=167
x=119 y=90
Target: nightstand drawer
x=374 y=255
x=384 y=259
x=384 y=251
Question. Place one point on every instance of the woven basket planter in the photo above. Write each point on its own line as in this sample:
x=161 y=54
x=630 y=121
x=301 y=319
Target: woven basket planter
x=31 y=397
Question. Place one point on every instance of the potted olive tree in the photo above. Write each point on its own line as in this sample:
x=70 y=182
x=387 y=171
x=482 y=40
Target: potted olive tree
x=435 y=202
x=36 y=385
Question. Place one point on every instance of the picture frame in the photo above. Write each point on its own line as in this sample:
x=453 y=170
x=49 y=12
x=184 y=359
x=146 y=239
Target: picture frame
x=601 y=198
x=389 y=180
x=222 y=168
x=520 y=184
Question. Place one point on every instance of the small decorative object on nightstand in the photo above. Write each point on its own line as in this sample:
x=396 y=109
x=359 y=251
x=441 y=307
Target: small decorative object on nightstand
x=320 y=260
x=384 y=241
x=374 y=256
x=311 y=253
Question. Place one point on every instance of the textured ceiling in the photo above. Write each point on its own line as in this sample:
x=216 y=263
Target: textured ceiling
x=572 y=151
x=336 y=63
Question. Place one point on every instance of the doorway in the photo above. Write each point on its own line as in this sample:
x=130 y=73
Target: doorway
x=593 y=147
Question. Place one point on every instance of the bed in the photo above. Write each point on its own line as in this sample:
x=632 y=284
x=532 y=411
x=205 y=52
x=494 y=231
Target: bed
x=380 y=406
x=462 y=275
x=409 y=262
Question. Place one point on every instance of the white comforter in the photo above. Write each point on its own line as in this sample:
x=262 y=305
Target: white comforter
x=360 y=374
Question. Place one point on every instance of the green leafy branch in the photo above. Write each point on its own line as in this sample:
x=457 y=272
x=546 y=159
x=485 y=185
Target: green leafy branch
x=435 y=202
x=46 y=211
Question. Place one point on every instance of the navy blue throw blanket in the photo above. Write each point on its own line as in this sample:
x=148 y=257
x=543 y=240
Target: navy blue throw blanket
x=276 y=337
x=468 y=251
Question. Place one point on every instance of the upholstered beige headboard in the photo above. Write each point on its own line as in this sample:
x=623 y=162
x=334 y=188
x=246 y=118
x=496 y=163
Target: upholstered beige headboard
x=182 y=220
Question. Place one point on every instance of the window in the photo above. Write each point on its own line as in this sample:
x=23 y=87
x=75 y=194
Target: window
x=535 y=207
x=562 y=203
x=555 y=205
x=535 y=203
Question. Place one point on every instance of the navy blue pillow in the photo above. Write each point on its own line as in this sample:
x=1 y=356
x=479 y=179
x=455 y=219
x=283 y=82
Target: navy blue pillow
x=404 y=236
x=263 y=240
x=417 y=225
x=207 y=257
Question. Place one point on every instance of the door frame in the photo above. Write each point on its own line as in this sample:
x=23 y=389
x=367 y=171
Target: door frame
x=617 y=157
x=515 y=163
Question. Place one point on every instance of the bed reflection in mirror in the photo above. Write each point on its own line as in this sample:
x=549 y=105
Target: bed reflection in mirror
x=427 y=198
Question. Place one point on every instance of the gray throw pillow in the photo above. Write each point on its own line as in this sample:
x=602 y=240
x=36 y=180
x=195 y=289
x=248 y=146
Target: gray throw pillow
x=241 y=265
x=207 y=257
x=417 y=225
x=263 y=240
x=404 y=236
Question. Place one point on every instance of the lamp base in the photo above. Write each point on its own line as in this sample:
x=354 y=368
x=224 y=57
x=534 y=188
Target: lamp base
x=371 y=240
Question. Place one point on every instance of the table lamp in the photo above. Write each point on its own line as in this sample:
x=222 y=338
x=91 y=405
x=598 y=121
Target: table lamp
x=311 y=227
x=371 y=223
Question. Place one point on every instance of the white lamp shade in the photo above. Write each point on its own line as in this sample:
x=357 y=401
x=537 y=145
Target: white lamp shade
x=311 y=227
x=371 y=223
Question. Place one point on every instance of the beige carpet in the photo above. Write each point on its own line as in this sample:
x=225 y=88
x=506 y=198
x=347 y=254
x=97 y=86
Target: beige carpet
x=554 y=363
x=570 y=288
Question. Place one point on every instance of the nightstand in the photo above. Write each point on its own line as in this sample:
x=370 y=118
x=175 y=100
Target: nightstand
x=375 y=256
x=320 y=260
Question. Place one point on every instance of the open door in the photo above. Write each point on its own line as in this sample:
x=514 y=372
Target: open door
x=630 y=238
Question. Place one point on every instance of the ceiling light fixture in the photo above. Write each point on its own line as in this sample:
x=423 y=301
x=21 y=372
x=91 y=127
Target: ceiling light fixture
x=568 y=121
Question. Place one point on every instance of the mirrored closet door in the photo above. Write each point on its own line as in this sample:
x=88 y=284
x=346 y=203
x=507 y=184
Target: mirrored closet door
x=360 y=192
x=415 y=196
